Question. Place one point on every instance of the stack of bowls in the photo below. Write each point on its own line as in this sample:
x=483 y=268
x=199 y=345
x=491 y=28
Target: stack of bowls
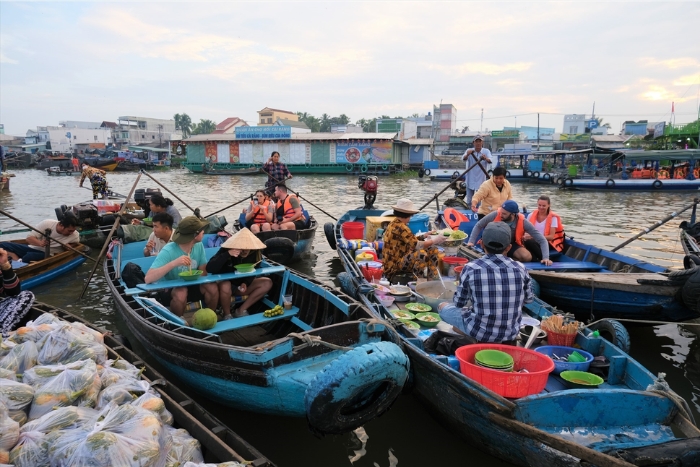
x=494 y=360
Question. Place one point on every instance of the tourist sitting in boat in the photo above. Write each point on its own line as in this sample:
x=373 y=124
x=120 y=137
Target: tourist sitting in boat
x=496 y=286
x=161 y=235
x=64 y=231
x=290 y=215
x=404 y=252
x=509 y=214
x=260 y=213
x=548 y=224
x=158 y=203
x=98 y=180
x=184 y=253
x=276 y=171
x=242 y=248
x=492 y=193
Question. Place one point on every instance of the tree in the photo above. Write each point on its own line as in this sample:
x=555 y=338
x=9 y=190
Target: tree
x=601 y=124
x=343 y=119
x=204 y=127
x=325 y=123
x=183 y=123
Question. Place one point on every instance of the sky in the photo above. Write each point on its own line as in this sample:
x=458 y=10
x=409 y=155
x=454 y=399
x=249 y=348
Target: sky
x=95 y=61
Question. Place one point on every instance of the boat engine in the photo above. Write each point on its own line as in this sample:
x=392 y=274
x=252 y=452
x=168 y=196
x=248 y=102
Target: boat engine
x=143 y=195
x=368 y=184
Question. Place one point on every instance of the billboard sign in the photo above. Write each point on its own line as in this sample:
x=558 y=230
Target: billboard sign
x=263 y=132
x=375 y=152
x=505 y=134
x=659 y=129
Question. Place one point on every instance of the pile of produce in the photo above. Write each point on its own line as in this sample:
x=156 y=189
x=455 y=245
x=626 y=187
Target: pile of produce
x=276 y=311
x=62 y=402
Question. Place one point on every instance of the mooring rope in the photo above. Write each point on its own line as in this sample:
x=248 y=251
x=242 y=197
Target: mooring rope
x=645 y=321
x=661 y=387
x=311 y=341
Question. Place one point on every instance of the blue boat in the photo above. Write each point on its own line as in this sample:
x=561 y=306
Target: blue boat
x=631 y=419
x=326 y=358
x=285 y=246
x=41 y=272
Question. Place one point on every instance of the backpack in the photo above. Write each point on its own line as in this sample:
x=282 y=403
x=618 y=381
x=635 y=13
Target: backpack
x=133 y=275
x=446 y=343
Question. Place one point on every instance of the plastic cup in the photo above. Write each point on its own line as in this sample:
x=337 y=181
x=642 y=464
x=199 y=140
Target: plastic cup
x=287 y=300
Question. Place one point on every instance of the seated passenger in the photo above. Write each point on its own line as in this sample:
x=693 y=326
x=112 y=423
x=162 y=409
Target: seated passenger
x=162 y=232
x=492 y=193
x=509 y=214
x=63 y=231
x=243 y=247
x=403 y=251
x=260 y=213
x=157 y=203
x=185 y=252
x=496 y=286
x=548 y=224
x=288 y=209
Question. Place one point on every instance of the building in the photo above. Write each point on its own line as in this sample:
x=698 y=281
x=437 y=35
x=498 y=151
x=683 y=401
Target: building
x=77 y=124
x=346 y=128
x=444 y=122
x=415 y=151
x=574 y=124
x=142 y=131
x=268 y=116
x=77 y=140
x=404 y=127
x=424 y=126
x=2 y=128
x=639 y=128
x=529 y=133
x=228 y=126
x=297 y=126
x=609 y=142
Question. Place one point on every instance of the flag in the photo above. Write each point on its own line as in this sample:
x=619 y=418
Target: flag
x=673 y=107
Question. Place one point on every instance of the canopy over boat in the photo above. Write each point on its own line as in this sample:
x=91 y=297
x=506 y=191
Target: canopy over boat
x=677 y=155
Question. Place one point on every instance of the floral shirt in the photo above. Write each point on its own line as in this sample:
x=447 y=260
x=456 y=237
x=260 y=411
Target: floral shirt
x=399 y=241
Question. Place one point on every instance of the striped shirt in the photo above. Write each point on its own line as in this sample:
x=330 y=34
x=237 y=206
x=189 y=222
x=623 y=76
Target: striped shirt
x=497 y=287
x=9 y=285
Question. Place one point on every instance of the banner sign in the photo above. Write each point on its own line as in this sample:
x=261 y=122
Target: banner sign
x=376 y=152
x=659 y=129
x=505 y=134
x=263 y=132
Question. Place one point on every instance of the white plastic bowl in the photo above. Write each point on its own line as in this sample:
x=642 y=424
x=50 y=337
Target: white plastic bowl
x=386 y=300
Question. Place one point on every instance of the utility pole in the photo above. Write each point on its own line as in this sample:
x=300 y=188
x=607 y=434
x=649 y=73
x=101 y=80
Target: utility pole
x=538 y=131
x=481 y=125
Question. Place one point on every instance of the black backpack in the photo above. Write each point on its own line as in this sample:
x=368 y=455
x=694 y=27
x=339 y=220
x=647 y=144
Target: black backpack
x=133 y=275
x=446 y=343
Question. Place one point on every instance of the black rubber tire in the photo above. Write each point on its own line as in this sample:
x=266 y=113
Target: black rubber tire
x=535 y=174
x=614 y=332
x=421 y=173
x=546 y=176
x=355 y=388
x=657 y=184
x=59 y=214
x=507 y=173
x=690 y=261
x=455 y=174
x=363 y=168
x=679 y=276
x=691 y=290
x=348 y=167
x=428 y=172
x=568 y=181
x=279 y=249
x=529 y=173
x=329 y=230
x=610 y=183
x=490 y=173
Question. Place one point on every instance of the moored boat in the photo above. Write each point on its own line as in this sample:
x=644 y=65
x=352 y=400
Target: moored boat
x=207 y=170
x=58 y=172
x=629 y=416
x=302 y=362
x=286 y=246
x=40 y=272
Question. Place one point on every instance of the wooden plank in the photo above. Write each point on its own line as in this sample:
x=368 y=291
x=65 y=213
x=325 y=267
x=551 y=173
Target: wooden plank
x=168 y=284
x=627 y=282
x=250 y=320
x=686 y=427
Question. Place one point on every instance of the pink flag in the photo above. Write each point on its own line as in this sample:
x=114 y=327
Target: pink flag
x=673 y=107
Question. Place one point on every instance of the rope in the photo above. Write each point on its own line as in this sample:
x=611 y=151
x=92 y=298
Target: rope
x=640 y=321
x=312 y=341
x=372 y=322
x=661 y=387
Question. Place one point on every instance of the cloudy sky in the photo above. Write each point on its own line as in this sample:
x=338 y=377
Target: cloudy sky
x=96 y=61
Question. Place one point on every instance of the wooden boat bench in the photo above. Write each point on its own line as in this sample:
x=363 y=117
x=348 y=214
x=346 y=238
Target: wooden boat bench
x=565 y=266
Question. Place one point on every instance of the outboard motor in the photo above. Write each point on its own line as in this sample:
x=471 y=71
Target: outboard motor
x=143 y=195
x=368 y=184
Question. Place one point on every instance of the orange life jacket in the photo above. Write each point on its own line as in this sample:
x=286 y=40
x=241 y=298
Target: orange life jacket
x=287 y=210
x=558 y=240
x=519 y=227
x=454 y=218
x=259 y=217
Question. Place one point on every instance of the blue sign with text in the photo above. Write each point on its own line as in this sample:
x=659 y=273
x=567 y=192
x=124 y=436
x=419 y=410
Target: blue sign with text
x=263 y=132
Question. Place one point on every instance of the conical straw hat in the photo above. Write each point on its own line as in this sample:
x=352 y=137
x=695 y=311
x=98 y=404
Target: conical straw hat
x=244 y=239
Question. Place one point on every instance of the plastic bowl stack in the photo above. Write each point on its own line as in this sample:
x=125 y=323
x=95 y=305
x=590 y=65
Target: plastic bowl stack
x=494 y=360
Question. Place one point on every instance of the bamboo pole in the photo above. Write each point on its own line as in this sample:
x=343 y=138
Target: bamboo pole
x=448 y=186
x=168 y=190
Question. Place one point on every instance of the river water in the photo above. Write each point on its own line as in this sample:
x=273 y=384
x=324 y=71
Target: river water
x=407 y=435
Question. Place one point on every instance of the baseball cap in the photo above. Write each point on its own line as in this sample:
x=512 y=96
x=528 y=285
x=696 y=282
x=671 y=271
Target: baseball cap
x=510 y=206
x=478 y=137
x=188 y=228
x=496 y=236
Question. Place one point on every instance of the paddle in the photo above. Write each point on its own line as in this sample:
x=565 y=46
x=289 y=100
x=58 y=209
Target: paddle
x=448 y=186
x=196 y=211
x=7 y=232
x=299 y=196
x=657 y=224
x=230 y=206
x=109 y=192
x=64 y=245
x=111 y=232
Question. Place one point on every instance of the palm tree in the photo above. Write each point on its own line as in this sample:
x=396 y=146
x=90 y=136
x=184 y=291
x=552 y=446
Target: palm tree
x=185 y=125
x=176 y=117
x=325 y=123
x=204 y=127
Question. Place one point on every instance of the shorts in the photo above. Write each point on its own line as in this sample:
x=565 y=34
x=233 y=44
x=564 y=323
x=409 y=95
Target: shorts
x=299 y=225
x=193 y=295
x=513 y=248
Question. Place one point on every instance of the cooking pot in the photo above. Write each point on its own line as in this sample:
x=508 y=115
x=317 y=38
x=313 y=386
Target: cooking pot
x=431 y=290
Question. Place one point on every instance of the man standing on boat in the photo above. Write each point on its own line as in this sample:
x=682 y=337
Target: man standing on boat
x=478 y=155
x=98 y=180
x=276 y=171
x=492 y=193
x=496 y=286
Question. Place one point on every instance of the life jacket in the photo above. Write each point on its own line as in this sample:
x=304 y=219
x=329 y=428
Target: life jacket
x=519 y=227
x=558 y=240
x=286 y=207
x=259 y=217
x=454 y=218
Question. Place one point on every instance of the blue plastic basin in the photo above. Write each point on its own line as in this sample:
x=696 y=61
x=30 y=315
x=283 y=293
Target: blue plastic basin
x=561 y=351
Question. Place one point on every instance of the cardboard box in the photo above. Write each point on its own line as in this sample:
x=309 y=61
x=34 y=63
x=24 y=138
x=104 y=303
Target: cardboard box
x=373 y=223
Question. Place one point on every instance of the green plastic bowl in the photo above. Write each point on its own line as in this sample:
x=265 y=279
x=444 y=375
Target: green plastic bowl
x=410 y=324
x=581 y=379
x=493 y=358
x=401 y=314
x=428 y=320
x=192 y=275
x=245 y=267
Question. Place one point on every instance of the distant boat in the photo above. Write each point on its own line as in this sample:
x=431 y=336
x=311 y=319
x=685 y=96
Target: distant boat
x=58 y=172
x=249 y=171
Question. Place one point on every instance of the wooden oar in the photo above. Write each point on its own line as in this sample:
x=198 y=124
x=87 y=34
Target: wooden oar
x=657 y=224
x=448 y=186
x=8 y=232
x=64 y=245
x=299 y=196
x=168 y=190
x=111 y=232
x=229 y=206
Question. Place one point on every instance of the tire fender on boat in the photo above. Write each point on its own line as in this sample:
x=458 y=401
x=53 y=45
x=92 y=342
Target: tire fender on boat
x=59 y=214
x=535 y=174
x=329 y=230
x=279 y=249
x=614 y=332
x=610 y=183
x=679 y=276
x=428 y=172
x=421 y=173
x=356 y=387
x=691 y=290
x=657 y=184
x=690 y=261
x=546 y=176
x=507 y=173
x=569 y=181
x=455 y=174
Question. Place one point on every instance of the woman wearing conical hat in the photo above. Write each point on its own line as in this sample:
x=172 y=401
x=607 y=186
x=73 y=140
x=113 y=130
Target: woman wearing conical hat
x=242 y=248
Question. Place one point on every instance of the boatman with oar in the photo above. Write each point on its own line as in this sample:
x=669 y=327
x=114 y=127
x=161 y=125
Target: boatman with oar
x=276 y=171
x=98 y=180
x=478 y=155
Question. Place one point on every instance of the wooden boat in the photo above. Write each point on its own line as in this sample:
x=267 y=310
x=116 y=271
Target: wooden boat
x=557 y=427
x=285 y=246
x=580 y=282
x=40 y=272
x=300 y=363
x=57 y=171
x=5 y=181
x=690 y=246
x=206 y=170
x=219 y=443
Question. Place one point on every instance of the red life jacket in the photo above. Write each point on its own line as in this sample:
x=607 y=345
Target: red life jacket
x=558 y=240
x=519 y=227
x=454 y=218
x=259 y=217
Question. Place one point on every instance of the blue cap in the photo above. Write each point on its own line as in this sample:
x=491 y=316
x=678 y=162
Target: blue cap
x=510 y=206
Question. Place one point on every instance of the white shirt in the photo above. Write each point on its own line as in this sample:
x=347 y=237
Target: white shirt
x=476 y=176
x=55 y=247
x=540 y=225
x=159 y=244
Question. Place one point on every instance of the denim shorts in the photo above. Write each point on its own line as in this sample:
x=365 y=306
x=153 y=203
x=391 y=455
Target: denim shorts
x=453 y=315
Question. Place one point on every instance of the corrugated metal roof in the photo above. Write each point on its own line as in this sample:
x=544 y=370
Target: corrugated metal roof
x=301 y=137
x=679 y=154
x=418 y=141
x=610 y=138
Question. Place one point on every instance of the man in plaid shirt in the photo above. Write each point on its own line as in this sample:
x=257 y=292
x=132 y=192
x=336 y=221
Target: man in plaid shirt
x=491 y=292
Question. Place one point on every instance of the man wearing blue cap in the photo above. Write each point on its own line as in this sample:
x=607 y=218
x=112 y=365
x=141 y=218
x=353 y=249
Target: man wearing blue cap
x=492 y=289
x=510 y=215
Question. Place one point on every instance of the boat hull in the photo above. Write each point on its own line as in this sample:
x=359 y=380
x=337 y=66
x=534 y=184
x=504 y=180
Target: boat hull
x=630 y=184
x=287 y=246
x=46 y=270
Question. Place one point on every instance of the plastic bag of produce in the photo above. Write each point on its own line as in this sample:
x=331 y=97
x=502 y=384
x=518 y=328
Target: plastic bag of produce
x=45 y=318
x=123 y=392
x=8 y=374
x=59 y=385
x=114 y=371
x=33 y=333
x=89 y=399
x=124 y=436
x=183 y=448
x=9 y=430
x=15 y=395
x=152 y=401
x=20 y=358
x=82 y=330
x=65 y=345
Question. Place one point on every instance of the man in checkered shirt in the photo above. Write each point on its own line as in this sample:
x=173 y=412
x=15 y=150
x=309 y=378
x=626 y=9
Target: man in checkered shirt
x=492 y=289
